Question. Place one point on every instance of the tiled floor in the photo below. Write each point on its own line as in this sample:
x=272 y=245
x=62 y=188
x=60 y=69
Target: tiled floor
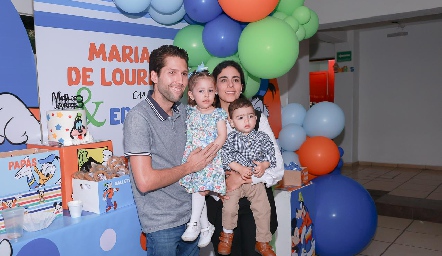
x=409 y=203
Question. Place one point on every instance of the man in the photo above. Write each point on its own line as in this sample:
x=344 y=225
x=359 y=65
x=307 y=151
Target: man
x=154 y=140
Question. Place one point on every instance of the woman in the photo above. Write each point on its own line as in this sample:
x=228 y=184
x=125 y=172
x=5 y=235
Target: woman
x=230 y=84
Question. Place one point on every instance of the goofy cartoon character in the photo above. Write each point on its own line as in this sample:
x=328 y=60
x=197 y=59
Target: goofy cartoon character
x=108 y=195
x=78 y=131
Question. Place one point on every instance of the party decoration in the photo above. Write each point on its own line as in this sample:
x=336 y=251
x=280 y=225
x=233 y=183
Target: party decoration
x=293 y=113
x=132 y=6
x=248 y=10
x=221 y=36
x=319 y=154
x=190 y=21
x=342 y=204
x=311 y=27
x=300 y=33
x=324 y=119
x=293 y=23
x=292 y=136
x=289 y=157
x=302 y=14
x=202 y=11
x=268 y=48
x=341 y=151
x=214 y=61
x=190 y=38
x=288 y=6
x=280 y=15
x=252 y=86
x=166 y=6
x=167 y=19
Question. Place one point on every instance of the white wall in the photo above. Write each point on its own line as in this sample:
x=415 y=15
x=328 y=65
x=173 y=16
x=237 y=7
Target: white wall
x=339 y=13
x=23 y=7
x=294 y=86
x=400 y=110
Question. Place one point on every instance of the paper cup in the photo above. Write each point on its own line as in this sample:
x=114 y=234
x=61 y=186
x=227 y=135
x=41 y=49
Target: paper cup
x=75 y=208
x=14 y=218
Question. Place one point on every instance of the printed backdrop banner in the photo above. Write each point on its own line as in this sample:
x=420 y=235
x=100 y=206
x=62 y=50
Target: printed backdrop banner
x=91 y=55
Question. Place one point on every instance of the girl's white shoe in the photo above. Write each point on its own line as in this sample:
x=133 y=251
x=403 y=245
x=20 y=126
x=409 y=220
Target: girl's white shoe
x=206 y=236
x=192 y=231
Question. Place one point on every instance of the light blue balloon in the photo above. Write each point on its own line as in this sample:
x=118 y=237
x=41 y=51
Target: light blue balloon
x=293 y=113
x=167 y=19
x=324 y=119
x=132 y=6
x=290 y=156
x=291 y=137
x=166 y=6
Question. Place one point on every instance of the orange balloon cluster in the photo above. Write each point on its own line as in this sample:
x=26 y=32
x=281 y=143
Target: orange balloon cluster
x=319 y=154
x=248 y=10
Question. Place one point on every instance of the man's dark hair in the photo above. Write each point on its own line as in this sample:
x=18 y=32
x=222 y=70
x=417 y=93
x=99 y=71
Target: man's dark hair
x=157 y=59
x=239 y=103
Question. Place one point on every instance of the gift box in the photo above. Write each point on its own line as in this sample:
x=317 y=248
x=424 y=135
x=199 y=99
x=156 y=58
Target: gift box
x=77 y=157
x=295 y=208
x=28 y=170
x=43 y=199
x=103 y=196
x=294 y=175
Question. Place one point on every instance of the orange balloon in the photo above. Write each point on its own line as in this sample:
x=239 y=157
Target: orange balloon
x=143 y=241
x=311 y=176
x=248 y=10
x=319 y=154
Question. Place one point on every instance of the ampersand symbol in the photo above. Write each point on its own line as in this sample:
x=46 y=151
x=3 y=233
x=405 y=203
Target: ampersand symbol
x=91 y=118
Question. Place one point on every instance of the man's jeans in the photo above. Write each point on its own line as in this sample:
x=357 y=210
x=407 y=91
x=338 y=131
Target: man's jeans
x=169 y=243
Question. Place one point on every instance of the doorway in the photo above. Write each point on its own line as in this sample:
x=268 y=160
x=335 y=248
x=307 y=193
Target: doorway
x=322 y=81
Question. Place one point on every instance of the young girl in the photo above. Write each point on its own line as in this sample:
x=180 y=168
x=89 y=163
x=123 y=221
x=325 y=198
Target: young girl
x=205 y=124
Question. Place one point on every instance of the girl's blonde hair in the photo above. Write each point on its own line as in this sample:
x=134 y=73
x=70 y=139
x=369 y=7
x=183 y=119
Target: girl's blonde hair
x=193 y=79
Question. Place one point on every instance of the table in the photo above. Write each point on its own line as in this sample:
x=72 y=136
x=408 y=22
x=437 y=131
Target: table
x=114 y=233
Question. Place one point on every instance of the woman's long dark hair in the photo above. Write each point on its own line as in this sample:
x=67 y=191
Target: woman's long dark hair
x=220 y=67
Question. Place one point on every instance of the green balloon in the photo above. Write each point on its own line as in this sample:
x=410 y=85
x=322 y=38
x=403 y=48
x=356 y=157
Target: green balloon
x=300 y=34
x=302 y=14
x=279 y=15
x=214 y=61
x=311 y=27
x=190 y=38
x=288 y=6
x=268 y=48
x=292 y=22
x=252 y=86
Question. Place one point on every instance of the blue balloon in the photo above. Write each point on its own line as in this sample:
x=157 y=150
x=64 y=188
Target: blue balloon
x=202 y=11
x=291 y=137
x=132 y=6
x=289 y=157
x=340 y=163
x=190 y=21
x=166 y=6
x=341 y=151
x=293 y=113
x=324 y=119
x=345 y=216
x=338 y=167
x=221 y=36
x=167 y=19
